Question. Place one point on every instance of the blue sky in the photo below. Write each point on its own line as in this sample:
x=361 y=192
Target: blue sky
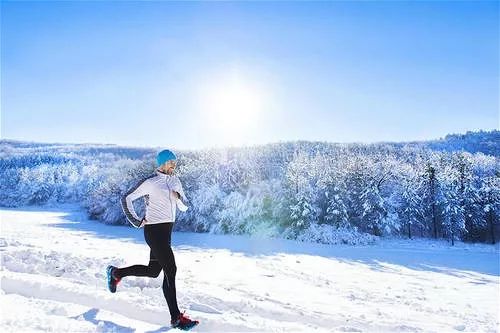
x=192 y=75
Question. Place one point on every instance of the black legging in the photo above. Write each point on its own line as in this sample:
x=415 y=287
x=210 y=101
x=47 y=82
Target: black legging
x=161 y=256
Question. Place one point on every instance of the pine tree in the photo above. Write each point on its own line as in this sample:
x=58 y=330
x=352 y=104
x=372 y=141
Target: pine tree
x=336 y=213
x=374 y=211
x=410 y=204
x=490 y=201
x=430 y=195
x=355 y=183
x=375 y=214
x=468 y=194
x=452 y=203
x=302 y=211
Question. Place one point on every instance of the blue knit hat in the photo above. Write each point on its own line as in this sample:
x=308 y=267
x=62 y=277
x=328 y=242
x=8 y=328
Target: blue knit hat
x=165 y=156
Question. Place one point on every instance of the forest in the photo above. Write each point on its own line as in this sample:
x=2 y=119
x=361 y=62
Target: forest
x=332 y=193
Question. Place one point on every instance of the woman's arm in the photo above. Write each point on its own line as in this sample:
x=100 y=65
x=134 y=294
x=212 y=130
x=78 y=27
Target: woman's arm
x=136 y=192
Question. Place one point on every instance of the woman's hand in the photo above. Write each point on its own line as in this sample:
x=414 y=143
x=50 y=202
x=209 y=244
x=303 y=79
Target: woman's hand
x=143 y=222
x=177 y=195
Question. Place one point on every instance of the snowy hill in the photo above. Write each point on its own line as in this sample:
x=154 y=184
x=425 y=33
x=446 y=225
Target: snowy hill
x=54 y=260
x=487 y=142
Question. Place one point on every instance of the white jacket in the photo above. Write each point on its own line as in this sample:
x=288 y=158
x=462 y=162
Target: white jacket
x=161 y=201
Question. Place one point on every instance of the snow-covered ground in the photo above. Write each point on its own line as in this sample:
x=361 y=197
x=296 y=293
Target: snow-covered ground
x=53 y=279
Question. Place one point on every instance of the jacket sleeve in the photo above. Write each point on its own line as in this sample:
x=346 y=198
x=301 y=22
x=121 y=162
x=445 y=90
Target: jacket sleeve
x=127 y=200
x=178 y=188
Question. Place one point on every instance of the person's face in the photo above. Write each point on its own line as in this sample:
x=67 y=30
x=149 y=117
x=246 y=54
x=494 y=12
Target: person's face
x=169 y=167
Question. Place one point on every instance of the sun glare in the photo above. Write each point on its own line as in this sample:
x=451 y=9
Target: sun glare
x=231 y=107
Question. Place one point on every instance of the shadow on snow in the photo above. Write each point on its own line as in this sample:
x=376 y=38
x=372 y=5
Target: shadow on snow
x=458 y=262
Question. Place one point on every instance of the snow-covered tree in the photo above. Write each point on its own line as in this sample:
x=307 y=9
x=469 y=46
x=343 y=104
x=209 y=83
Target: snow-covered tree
x=408 y=198
x=487 y=170
x=375 y=214
x=302 y=211
x=355 y=183
x=490 y=200
x=336 y=212
x=463 y=163
x=452 y=203
x=430 y=193
x=205 y=202
x=307 y=190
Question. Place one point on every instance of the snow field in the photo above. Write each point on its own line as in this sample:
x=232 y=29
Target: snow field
x=53 y=279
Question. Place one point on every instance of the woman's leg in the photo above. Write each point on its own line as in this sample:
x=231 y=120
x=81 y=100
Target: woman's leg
x=158 y=237
x=169 y=291
x=153 y=269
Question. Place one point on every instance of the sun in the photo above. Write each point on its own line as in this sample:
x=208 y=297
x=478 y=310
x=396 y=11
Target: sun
x=231 y=107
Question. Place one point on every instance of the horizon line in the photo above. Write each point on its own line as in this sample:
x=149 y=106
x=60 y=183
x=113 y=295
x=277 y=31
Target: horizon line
x=245 y=146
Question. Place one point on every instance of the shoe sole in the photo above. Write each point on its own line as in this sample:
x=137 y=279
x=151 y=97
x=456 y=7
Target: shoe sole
x=110 y=279
x=188 y=328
